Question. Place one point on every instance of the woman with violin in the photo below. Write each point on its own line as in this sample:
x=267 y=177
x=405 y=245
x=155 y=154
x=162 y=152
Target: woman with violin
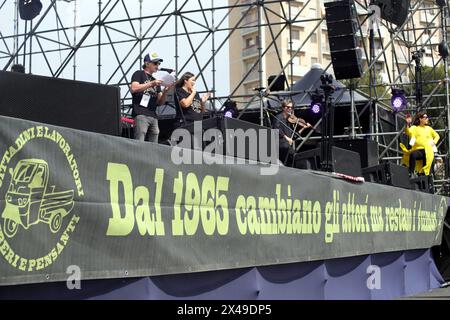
x=287 y=124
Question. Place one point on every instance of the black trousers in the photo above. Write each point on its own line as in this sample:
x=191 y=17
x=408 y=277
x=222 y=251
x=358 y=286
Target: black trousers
x=414 y=156
x=285 y=151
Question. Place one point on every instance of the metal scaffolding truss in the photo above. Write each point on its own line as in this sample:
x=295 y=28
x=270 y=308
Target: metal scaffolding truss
x=105 y=41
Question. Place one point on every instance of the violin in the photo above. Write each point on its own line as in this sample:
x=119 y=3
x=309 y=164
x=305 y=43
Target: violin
x=299 y=121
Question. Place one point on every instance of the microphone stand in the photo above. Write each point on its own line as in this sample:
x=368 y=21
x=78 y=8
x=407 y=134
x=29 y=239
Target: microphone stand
x=260 y=91
x=327 y=124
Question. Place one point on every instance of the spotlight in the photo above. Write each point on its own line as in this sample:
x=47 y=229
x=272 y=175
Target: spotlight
x=230 y=109
x=398 y=100
x=315 y=108
x=316 y=102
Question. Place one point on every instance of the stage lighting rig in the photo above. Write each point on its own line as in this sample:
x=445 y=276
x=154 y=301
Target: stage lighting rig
x=398 y=100
x=316 y=102
x=230 y=109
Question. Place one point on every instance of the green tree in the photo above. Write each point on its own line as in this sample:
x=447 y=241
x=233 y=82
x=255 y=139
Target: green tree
x=363 y=85
x=436 y=105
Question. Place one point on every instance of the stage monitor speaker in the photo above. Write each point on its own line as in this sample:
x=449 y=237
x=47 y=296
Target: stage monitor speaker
x=278 y=85
x=343 y=161
x=367 y=149
x=342 y=27
x=238 y=132
x=67 y=103
x=423 y=183
x=252 y=146
x=389 y=174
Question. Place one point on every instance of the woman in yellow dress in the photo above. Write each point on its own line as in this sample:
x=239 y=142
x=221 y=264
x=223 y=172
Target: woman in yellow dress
x=423 y=140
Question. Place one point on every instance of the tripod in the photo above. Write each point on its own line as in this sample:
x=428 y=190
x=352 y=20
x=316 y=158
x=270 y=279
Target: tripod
x=261 y=103
x=327 y=124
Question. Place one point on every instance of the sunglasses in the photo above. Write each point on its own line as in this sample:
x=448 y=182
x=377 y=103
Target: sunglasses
x=424 y=117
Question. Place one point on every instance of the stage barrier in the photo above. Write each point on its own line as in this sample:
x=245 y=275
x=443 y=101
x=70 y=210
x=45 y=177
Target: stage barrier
x=118 y=208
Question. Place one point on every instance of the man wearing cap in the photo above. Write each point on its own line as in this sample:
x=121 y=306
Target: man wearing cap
x=147 y=95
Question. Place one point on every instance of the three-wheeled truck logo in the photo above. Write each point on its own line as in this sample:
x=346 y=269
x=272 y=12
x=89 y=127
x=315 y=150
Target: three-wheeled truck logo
x=30 y=200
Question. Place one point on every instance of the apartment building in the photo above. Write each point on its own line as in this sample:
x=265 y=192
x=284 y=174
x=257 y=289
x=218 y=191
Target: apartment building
x=295 y=46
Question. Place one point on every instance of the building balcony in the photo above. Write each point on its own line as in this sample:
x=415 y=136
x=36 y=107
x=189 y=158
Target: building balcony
x=250 y=52
x=249 y=29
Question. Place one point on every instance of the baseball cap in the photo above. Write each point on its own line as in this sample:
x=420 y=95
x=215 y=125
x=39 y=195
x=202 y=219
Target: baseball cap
x=152 y=57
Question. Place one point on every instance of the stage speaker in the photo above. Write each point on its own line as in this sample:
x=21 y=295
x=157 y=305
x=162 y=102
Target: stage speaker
x=278 y=85
x=389 y=174
x=342 y=27
x=29 y=9
x=395 y=11
x=343 y=161
x=423 y=183
x=367 y=149
x=236 y=133
x=232 y=130
x=67 y=103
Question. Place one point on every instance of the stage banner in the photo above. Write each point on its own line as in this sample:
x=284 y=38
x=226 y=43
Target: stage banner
x=78 y=204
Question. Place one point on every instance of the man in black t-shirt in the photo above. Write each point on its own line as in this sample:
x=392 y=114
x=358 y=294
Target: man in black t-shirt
x=147 y=95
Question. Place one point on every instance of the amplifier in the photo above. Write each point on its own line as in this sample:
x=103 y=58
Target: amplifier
x=343 y=161
x=423 y=183
x=388 y=174
x=67 y=103
x=367 y=149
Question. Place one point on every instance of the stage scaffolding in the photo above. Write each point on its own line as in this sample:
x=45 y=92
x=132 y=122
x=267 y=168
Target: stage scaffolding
x=104 y=41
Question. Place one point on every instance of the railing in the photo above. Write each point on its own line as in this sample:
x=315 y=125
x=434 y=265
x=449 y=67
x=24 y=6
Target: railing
x=250 y=51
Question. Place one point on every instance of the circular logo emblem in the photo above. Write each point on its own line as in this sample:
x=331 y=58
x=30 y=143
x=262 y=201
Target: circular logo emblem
x=36 y=214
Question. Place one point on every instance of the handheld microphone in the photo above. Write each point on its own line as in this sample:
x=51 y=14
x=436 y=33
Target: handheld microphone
x=167 y=70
